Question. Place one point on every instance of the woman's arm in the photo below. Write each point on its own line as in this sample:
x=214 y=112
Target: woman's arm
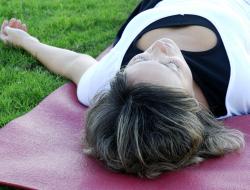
x=63 y=62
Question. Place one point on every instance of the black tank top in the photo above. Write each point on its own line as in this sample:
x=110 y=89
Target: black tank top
x=210 y=69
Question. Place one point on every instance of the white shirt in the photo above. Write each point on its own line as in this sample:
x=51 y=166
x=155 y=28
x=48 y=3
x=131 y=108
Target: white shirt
x=230 y=17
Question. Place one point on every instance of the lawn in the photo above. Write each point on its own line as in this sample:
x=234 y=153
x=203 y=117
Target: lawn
x=84 y=26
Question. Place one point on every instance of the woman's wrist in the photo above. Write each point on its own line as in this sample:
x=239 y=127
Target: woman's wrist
x=28 y=42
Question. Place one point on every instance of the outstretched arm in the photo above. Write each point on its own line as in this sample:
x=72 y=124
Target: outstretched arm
x=63 y=62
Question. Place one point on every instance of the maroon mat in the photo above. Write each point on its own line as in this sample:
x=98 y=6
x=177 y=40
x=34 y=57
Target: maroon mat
x=41 y=150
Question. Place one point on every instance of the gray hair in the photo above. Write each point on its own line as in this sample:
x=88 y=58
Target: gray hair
x=147 y=129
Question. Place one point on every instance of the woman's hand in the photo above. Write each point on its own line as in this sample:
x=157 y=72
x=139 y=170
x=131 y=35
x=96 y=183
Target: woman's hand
x=11 y=34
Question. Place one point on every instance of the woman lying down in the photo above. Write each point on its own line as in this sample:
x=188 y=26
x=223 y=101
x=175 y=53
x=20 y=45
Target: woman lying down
x=155 y=99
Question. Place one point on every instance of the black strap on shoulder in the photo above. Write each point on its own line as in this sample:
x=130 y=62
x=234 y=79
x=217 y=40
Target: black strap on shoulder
x=144 y=5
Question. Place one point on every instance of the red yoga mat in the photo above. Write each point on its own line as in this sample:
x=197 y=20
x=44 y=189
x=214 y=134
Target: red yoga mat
x=41 y=150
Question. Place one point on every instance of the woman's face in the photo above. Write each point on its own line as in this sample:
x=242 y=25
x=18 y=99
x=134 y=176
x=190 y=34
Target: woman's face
x=162 y=64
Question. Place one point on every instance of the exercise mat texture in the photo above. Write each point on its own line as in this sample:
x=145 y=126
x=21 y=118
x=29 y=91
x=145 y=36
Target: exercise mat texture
x=42 y=150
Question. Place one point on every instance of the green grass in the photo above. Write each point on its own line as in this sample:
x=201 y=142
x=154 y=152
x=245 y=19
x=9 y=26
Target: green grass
x=7 y=188
x=84 y=26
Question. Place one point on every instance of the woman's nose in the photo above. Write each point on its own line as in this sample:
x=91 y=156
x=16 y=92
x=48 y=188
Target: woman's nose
x=158 y=48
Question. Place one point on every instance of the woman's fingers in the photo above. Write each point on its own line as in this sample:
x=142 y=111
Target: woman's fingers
x=15 y=23
x=12 y=23
x=24 y=27
x=18 y=24
x=5 y=23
